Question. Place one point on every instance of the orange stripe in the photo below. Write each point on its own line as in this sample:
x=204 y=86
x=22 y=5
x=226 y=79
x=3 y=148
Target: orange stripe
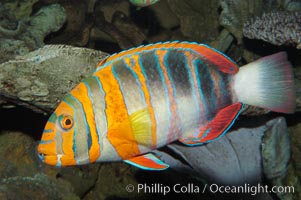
x=49 y=147
x=191 y=66
x=135 y=50
x=49 y=135
x=173 y=106
x=216 y=79
x=120 y=132
x=67 y=137
x=210 y=54
x=137 y=69
x=81 y=93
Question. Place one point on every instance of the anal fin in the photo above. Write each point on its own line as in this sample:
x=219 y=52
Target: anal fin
x=147 y=162
x=216 y=128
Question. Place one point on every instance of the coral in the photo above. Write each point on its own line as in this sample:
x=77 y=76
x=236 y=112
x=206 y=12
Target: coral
x=235 y=12
x=9 y=25
x=29 y=35
x=48 y=19
x=277 y=28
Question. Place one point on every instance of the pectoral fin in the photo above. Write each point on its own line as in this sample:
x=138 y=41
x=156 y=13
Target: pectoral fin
x=217 y=127
x=141 y=126
x=147 y=162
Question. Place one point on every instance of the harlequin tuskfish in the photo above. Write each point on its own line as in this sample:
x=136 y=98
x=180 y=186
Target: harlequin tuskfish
x=147 y=97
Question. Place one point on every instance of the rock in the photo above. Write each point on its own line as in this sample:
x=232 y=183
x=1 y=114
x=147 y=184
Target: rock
x=41 y=78
x=164 y=15
x=293 y=177
x=197 y=18
x=30 y=36
x=22 y=8
x=109 y=7
x=75 y=26
x=223 y=41
x=236 y=158
x=48 y=19
x=37 y=187
x=235 y=13
x=16 y=155
x=296 y=146
x=22 y=171
x=275 y=149
x=112 y=181
x=297 y=73
x=128 y=29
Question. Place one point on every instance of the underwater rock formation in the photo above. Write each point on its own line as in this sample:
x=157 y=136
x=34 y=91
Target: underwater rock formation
x=37 y=187
x=198 y=22
x=275 y=149
x=21 y=9
x=22 y=173
x=112 y=180
x=41 y=78
x=277 y=28
x=164 y=15
x=235 y=12
x=113 y=23
x=237 y=157
x=28 y=36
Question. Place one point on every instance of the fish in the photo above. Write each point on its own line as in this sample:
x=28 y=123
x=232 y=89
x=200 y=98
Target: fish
x=143 y=3
x=144 y=98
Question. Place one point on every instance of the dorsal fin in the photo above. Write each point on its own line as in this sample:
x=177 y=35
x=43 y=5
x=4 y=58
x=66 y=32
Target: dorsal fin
x=212 y=56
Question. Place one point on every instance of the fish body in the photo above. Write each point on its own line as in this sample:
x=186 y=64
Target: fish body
x=144 y=98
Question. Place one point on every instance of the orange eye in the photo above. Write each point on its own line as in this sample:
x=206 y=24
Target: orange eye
x=66 y=121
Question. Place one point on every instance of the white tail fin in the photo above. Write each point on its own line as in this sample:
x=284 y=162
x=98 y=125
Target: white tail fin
x=267 y=83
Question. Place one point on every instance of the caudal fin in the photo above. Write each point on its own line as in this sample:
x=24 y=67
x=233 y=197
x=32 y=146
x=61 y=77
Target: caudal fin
x=267 y=83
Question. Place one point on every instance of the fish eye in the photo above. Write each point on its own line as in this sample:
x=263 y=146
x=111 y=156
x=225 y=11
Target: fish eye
x=66 y=121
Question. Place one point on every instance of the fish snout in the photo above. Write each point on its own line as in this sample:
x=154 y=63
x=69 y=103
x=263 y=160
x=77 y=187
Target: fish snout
x=46 y=151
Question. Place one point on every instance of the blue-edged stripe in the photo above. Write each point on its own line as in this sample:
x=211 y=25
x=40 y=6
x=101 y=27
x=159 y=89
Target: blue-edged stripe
x=102 y=111
x=164 y=85
x=52 y=118
x=68 y=100
x=209 y=83
x=193 y=91
x=46 y=141
x=47 y=131
x=136 y=77
x=71 y=100
x=196 y=63
x=90 y=95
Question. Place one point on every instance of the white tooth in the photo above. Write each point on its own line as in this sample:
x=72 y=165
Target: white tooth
x=58 y=162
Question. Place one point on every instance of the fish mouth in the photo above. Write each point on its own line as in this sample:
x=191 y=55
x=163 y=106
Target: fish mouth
x=42 y=156
x=47 y=157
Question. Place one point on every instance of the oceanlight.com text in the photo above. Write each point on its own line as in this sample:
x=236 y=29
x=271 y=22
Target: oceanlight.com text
x=190 y=188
